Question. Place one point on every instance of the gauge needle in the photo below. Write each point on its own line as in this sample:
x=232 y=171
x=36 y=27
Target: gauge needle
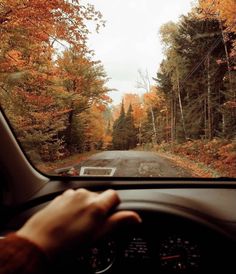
x=170 y=257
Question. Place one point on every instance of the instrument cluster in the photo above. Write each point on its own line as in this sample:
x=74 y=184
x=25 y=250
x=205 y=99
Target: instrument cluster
x=165 y=245
x=170 y=254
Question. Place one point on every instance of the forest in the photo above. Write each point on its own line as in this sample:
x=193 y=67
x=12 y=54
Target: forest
x=56 y=96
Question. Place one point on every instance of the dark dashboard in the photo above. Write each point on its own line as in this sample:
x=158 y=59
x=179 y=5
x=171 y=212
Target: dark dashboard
x=162 y=244
x=183 y=231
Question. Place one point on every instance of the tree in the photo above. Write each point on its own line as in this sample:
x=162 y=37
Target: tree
x=131 y=131
x=84 y=81
x=119 y=131
x=196 y=107
x=155 y=100
x=124 y=135
x=224 y=13
x=36 y=89
x=94 y=130
x=224 y=10
x=144 y=83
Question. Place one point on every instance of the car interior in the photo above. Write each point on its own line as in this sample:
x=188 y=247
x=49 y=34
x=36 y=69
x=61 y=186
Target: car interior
x=134 y=96
x=189 y=225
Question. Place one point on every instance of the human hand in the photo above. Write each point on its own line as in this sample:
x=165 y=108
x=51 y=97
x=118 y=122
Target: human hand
x=76 y=218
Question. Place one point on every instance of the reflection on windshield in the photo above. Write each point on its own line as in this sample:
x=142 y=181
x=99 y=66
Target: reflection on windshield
x=78 y=109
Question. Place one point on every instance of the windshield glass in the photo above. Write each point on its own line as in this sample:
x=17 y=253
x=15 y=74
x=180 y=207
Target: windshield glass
x=126 y=88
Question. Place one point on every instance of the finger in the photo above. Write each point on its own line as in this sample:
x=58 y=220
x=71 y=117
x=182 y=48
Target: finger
x=68 y=193
x=108 y=200
x=125 y=217
x=122 y=218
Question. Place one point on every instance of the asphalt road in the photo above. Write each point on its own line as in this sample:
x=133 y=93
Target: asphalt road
x=130 y=164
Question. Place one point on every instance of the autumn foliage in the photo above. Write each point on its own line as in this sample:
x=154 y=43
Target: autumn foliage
x=219 y=155
x=55 y=93
x=51 y=89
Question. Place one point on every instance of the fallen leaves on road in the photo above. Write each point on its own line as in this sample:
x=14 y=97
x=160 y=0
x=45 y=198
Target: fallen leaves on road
x=50 y=167
x=185 y=163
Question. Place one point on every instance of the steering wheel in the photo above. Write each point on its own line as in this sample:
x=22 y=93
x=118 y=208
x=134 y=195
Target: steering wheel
x=174 y=237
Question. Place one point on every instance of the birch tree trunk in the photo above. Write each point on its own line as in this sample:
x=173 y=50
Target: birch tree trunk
x=181 y=105
x=173 y=119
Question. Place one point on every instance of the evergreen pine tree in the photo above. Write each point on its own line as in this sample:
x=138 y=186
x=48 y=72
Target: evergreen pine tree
x=119 y=131
x=131 y=131
x=124 y=131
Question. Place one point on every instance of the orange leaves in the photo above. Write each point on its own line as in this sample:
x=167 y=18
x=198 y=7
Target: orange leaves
x=150 y=98
x=42 y=19
x=230 y=104
x=217 y=154
x=131 y=99
x=106 y=98
x=36 y=99
x=154 y=98
x=224 y=10
x=141 y=105
x=94 y=126
x=14 y=55
x=101 y=107
x=43 y=90
x=14 y=59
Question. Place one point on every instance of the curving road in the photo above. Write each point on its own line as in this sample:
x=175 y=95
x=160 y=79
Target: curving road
x=130 y=164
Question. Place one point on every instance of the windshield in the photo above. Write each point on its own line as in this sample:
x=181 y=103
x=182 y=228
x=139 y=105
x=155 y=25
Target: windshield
x=126 y=88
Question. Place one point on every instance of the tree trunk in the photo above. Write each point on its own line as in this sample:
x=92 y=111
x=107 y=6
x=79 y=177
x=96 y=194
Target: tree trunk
x=154 y=127
x=180 y=105
x=209 y=107
x=227 y=60
x=168 y=135
x=223 y=124
x=140 y=134
x=205 y=119
x=173 y=120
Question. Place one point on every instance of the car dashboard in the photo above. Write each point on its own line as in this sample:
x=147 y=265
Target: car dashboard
x=182 y=231
x=159 y=245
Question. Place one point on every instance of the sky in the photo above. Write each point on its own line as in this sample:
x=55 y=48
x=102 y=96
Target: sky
x=130 y=40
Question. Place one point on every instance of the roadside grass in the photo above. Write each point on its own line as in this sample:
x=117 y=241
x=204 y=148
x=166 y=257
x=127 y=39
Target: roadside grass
x=50 y=167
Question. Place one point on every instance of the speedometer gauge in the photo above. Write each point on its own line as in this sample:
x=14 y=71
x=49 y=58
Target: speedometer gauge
x=99 y=258
x=102 y=257
x=179 y=255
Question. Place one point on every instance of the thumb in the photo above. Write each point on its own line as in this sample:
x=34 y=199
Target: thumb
x=122 y=218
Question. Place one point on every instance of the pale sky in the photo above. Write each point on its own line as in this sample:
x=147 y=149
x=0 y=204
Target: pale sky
x=130 y=41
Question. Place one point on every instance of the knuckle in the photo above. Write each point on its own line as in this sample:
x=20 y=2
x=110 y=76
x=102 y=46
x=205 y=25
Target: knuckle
x=68 y=192
x=114 y=194
x=97 y=209
x=82 y=192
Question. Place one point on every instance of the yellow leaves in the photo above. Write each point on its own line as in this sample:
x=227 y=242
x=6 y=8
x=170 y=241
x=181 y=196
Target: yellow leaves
x=141 y=106
x=138 y=109
x=225 y=10
x=154 y=99
x=42 y=92
x=107 y=139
